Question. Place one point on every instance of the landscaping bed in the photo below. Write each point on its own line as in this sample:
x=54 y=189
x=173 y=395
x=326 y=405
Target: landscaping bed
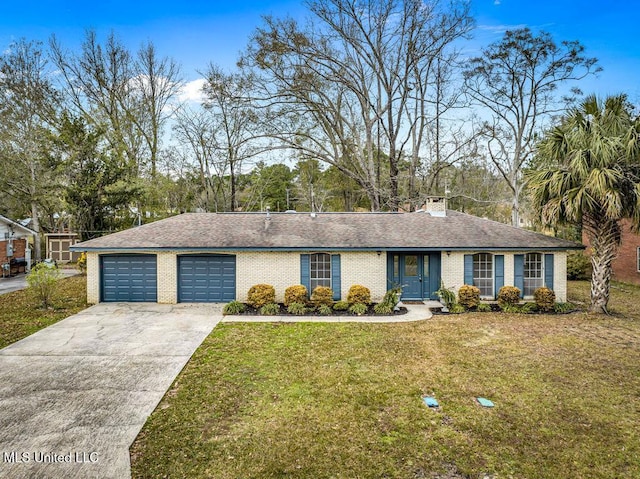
x=312 y=311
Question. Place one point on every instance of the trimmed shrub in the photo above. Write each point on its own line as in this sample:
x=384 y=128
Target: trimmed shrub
x=469 y=296
x=296 y=294
x=234 y=307
x=297 y=308
x=341 y=306
x=322 y=295
x=359 y=294
x=260 y=295
x=578 y=266
x=270 y=309
x=358 y=308
x=508 y=295
x=484 y=308
x=325 y=310
x=545 y=299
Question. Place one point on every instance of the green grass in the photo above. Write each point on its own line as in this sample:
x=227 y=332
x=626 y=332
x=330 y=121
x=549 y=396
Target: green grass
x=21 y=315
x=312 y=400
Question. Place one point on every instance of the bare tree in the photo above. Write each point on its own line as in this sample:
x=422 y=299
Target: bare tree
x=344 y=84
x=127 y=95
x=238 y=131
x=196 y=131
x=28 y=108
x=515 y=82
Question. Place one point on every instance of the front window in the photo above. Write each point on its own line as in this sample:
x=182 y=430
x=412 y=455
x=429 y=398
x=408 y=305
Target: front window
x=483 y=274
x=320 y=269
x=533 y=273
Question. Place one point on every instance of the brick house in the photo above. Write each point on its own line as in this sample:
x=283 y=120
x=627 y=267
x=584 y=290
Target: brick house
x=14 y=241
x=217 y=257
x=626 y=266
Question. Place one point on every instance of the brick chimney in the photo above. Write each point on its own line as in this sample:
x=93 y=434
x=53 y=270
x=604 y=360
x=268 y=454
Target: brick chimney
x=435 y=206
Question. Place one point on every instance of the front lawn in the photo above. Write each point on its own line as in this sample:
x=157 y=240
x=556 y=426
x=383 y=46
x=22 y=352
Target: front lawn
x=20 y=314
x=308 y=400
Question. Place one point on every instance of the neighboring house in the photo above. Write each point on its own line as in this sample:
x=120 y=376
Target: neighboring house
x=217 y=257
x=626 y=266
x=14 y=246
x=58 y=247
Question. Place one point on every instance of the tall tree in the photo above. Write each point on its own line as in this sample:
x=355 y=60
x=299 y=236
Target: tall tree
x=95 y=185
x=195 y=130
x=590 y=176
x=28 y=107
x=236 y=126
x=128 y=94
x=350 y=86
x=515 y=82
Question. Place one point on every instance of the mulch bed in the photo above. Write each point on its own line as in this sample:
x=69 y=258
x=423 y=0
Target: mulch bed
x=251 y=311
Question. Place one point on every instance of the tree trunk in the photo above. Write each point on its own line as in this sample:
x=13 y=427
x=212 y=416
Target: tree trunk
x=604 y=240
x=37 y=249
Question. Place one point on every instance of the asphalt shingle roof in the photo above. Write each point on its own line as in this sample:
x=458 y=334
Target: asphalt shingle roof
x=456 y=231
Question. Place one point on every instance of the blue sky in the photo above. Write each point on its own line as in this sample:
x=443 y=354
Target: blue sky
x=195 y=32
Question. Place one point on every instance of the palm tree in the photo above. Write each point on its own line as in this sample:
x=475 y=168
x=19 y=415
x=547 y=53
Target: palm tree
x=590 y=176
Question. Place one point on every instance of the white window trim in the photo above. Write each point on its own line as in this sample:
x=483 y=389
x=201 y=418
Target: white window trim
x=311 y=279
x=542 y=271
x=493 y=276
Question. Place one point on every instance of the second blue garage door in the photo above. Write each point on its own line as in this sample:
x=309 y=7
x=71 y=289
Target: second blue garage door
x=206 y=279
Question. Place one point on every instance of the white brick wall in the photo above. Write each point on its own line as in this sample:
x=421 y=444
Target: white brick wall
x=452 y=270
x=560 y=276
x=279 y=269
x=167 y=277
x=365 y=268
x=282 y=269
x=93 y=278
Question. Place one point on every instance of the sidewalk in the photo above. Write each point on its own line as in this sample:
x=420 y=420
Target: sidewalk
x=415 y=312
x=19 y=281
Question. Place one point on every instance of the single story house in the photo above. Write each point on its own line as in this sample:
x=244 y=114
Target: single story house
x=217 y=257
x=15 y=250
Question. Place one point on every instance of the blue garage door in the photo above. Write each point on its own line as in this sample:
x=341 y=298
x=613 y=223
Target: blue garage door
x=129 y=278
x=206 y=279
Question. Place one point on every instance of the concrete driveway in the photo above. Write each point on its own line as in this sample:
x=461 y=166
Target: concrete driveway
x=74 y=396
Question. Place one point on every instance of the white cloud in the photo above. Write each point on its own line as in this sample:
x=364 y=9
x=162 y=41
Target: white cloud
x=497 y=2
x=500 y=28
x=192 y=91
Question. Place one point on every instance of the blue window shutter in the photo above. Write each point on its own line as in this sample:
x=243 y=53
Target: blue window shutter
x=548 y=271
x=335 y=276
x=499 y=272
x=305 y=272
x=518 y=272
x=468 y=269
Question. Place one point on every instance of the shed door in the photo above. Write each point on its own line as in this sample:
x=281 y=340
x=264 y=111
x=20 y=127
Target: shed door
x=206 y=279
x=129 y=278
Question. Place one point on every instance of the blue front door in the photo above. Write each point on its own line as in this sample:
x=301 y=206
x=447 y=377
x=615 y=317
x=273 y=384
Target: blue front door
x=411 y=270
x=417 y=273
